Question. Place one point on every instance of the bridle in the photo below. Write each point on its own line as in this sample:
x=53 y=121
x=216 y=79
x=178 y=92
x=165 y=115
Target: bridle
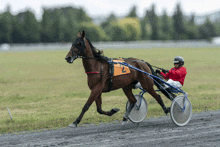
x=81 y=46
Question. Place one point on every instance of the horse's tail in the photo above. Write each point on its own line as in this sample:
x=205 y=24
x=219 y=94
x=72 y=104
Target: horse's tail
x=155 y=74
x=152 y=70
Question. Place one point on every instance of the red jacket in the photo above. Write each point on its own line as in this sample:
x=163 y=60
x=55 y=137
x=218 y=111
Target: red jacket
x=176 y=74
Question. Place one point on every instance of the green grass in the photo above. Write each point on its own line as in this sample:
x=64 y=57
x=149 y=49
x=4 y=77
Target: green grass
x=42 y=91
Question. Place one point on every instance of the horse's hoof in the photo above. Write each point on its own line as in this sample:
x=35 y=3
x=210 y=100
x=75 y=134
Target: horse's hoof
x=72 y=125
x=167 y=110
x=113 y=111
x=125 y=120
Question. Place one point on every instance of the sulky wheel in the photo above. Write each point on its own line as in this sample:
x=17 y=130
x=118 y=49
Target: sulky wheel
x=178 y=115
x=139 y=112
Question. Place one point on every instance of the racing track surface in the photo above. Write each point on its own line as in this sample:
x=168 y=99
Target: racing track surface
x=202 y=130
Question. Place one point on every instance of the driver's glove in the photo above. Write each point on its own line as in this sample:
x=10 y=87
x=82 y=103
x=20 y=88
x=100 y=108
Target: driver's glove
x=165 y=71
x=157 y=71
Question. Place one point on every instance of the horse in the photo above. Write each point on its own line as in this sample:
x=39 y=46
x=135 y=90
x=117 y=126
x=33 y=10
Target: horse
x=98 y=74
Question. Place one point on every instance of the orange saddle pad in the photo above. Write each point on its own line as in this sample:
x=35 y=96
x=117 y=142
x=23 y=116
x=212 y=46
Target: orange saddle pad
x=120 y=69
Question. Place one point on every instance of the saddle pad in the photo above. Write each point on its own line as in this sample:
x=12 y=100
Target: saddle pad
x=120 y=69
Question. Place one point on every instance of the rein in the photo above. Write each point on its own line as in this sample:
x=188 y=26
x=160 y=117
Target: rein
x=151 y=65
x=86 y=57
x=157 y=67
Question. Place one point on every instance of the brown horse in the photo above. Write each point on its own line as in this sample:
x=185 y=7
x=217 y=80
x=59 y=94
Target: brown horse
x=97 y=69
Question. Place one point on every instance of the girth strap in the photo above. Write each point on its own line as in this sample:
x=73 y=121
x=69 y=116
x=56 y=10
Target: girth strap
x=111 y=72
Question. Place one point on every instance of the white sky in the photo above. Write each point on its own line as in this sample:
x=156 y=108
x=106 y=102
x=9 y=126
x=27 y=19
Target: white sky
x=118 y=7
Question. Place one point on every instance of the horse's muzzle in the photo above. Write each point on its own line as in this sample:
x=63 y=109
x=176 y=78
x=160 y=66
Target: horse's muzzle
x=71 y=59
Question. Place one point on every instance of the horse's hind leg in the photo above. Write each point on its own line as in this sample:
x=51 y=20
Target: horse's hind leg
x=148 y=86
x=128 y=92
x=99 y=107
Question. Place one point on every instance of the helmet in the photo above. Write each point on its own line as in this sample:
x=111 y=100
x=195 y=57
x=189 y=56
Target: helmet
x=179 y=60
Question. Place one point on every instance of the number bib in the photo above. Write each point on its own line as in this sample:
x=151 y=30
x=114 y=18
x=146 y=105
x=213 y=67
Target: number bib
x=120 y=69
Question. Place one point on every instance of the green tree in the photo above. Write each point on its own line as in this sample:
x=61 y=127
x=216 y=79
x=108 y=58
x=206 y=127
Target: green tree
x=207 y=30
x=165 y=27
x=109 y=20
x=18 y=34
x=82 y=16
x=26 y=28
x=192 y=19
x=153 y=18
x=93 y=32
x=6 y=27
x=178 y=24
x=191 y=28
x=144 y=30
x=116 y=32
x=217 y=27
x=192 y=32
x=31 y=28
x=133 y=12
x=132 y=27
x=71 y=27
x=46 y=27
x=65 y=22
x=57 y=25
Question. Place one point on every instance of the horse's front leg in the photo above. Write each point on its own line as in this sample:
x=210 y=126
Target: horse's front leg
x=128 y=92
x=99 y=107
x=93 y=95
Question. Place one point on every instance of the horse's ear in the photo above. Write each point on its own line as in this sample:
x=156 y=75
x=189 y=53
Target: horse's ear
x=79 y=34
x=83 y=34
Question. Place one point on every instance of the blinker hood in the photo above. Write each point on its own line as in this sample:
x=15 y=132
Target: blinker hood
x=81 y=46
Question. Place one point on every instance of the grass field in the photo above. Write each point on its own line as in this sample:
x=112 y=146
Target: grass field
x=43 y=91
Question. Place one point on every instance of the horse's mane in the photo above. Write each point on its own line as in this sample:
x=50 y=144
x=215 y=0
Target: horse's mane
x=97 y=53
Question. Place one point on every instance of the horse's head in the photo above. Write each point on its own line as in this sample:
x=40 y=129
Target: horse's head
x=77 y=49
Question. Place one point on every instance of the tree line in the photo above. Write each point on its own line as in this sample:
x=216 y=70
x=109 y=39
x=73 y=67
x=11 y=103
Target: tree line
x=62 y=25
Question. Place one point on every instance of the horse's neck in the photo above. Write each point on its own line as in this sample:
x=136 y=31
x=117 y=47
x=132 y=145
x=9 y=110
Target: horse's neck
x=90 y=65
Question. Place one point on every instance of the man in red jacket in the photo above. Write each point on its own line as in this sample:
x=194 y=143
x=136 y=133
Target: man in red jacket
x=175 y=75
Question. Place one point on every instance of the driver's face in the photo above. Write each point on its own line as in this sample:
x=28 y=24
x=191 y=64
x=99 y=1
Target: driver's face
x=176 y=65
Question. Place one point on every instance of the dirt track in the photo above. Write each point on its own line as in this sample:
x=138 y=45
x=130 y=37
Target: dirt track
x=202 y=130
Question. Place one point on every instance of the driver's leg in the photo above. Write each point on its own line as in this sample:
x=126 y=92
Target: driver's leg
x=167 y=93
x=138 y=85
x=173 y=83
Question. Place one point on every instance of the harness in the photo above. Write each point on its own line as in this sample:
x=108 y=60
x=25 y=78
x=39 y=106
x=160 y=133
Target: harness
x=111 y=72
x=81 y=46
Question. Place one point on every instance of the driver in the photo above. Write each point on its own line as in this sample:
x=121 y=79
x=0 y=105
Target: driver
x=175 y=75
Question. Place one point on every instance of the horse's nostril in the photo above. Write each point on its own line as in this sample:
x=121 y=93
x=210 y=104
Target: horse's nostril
x=69 y=59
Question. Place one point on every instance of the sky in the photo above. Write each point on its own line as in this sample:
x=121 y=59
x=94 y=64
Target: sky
x=118 y=7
